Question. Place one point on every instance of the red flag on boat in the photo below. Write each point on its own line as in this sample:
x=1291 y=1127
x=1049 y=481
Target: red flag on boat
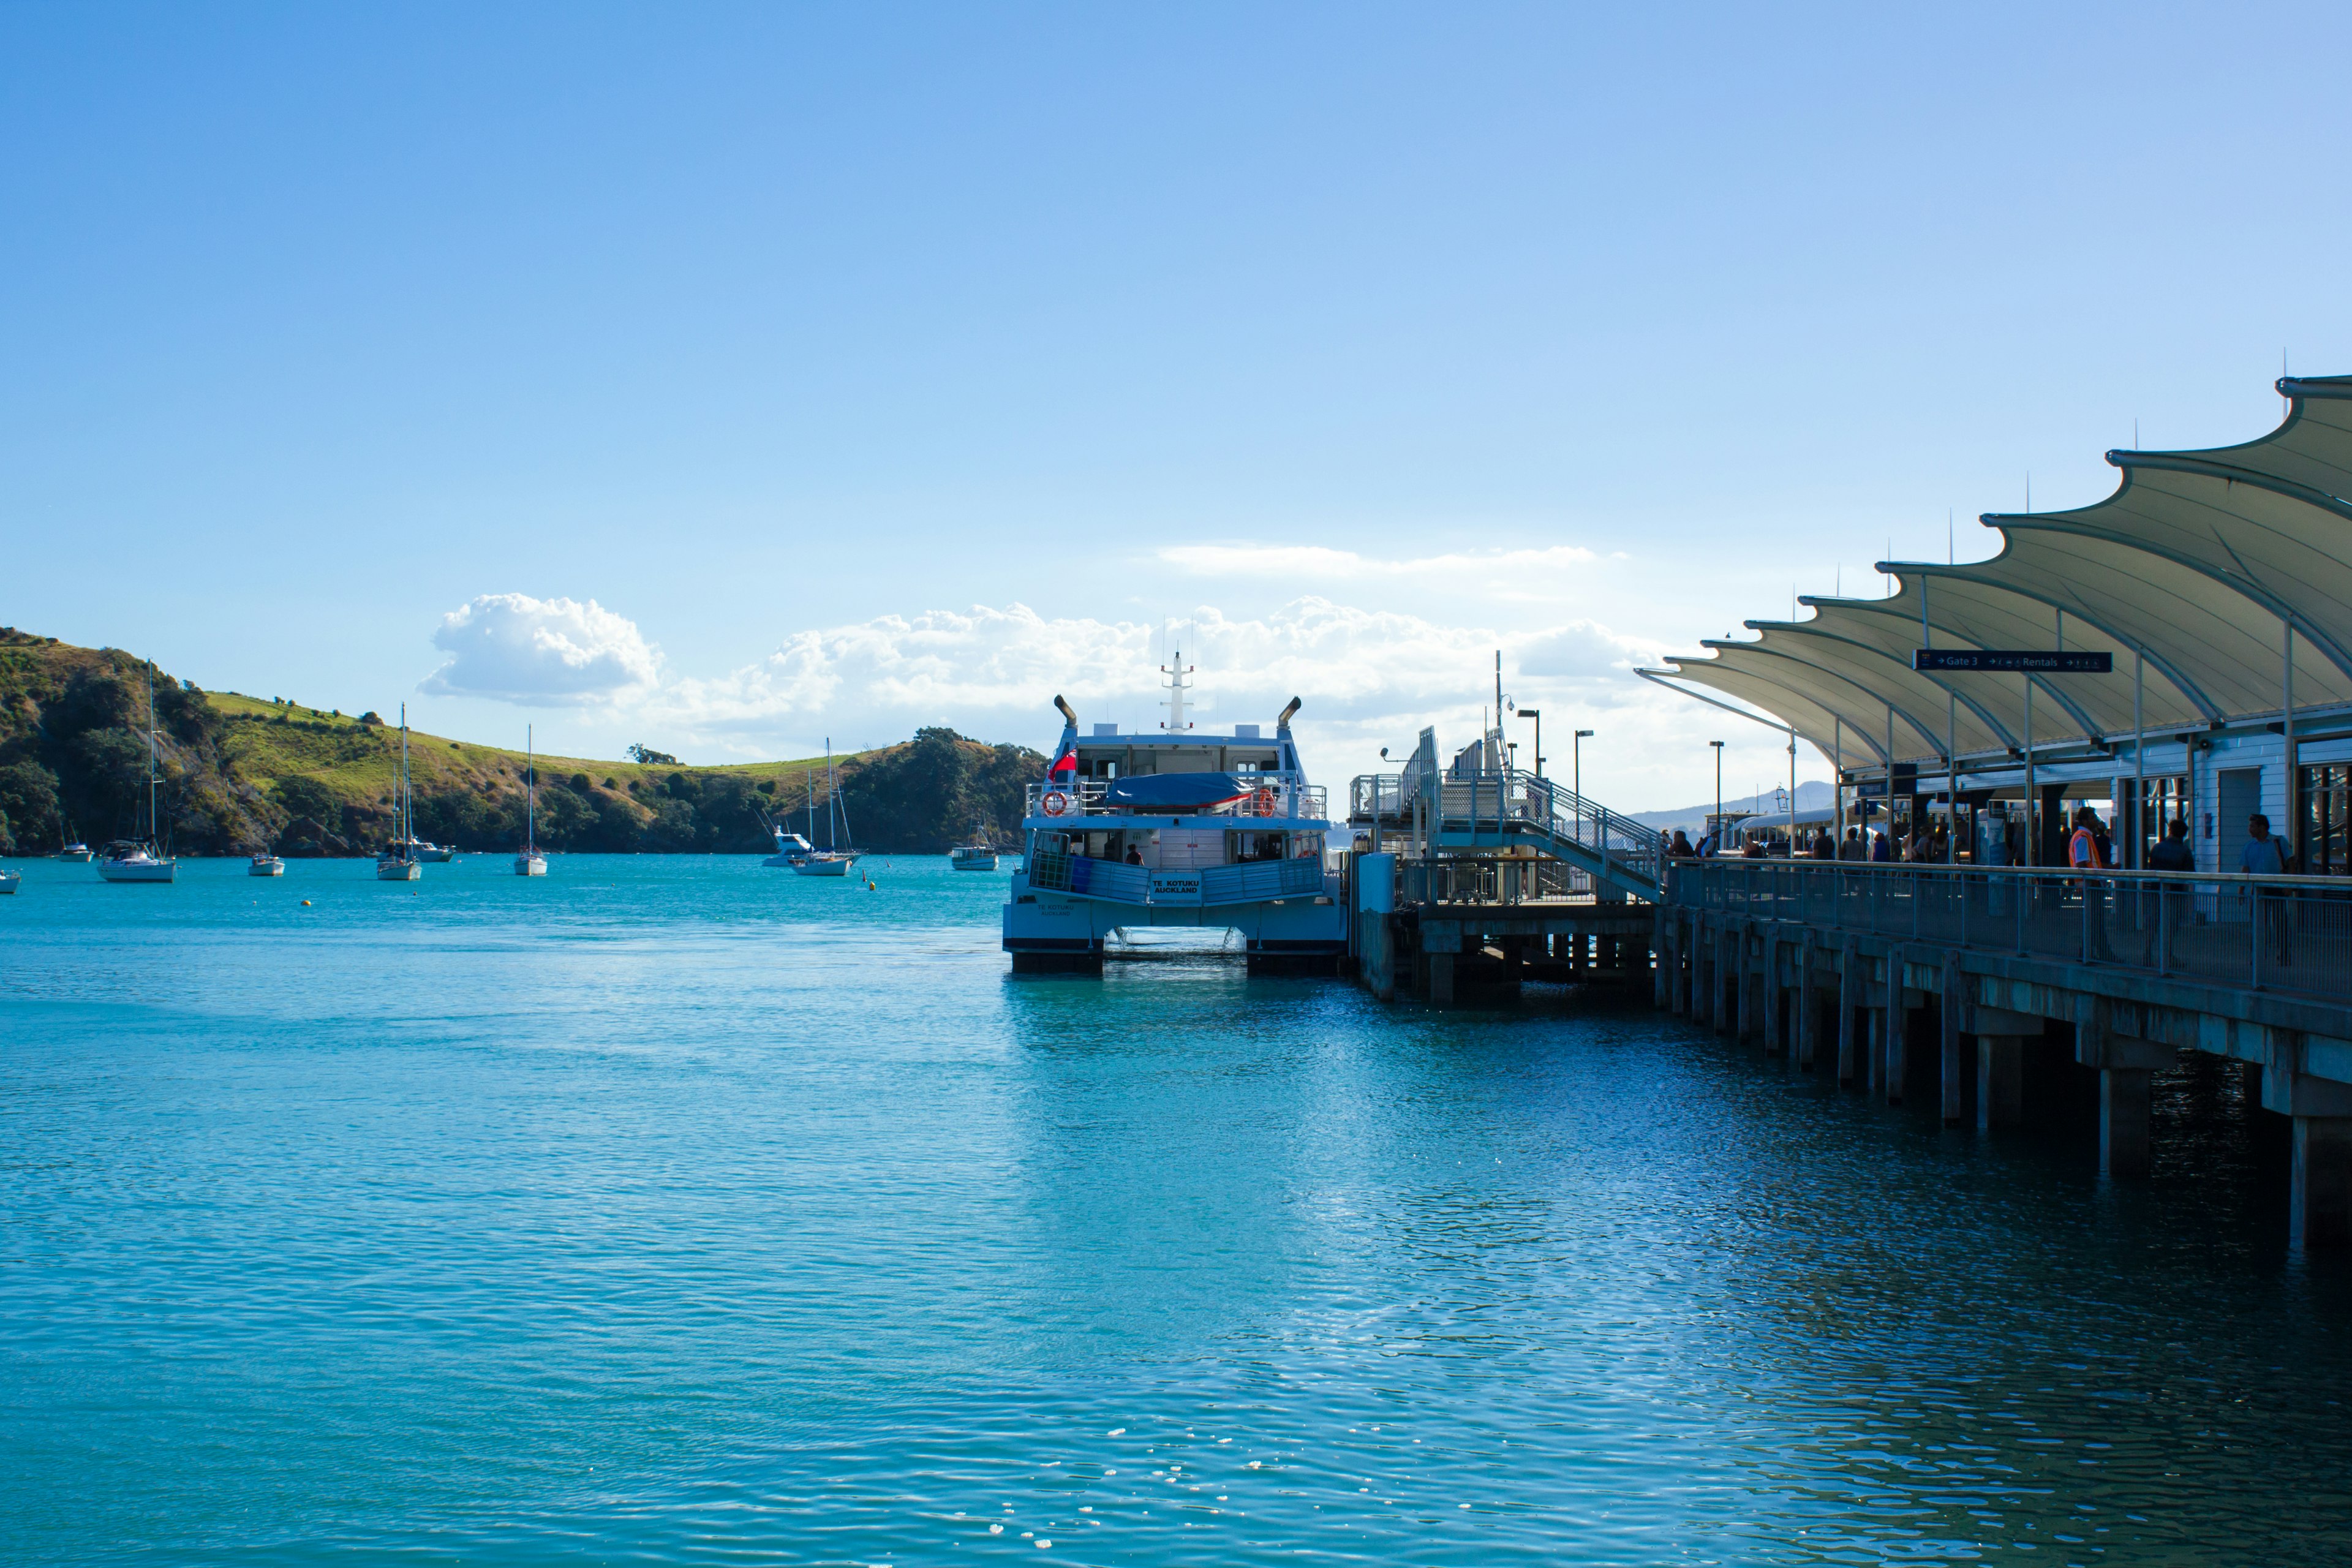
x=1068 y=763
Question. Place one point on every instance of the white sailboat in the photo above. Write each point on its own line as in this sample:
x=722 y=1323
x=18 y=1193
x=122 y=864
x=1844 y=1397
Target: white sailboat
x=832 y=860
x=398 y=863
x=531 y=862
x=266 y=864
x=131 y=859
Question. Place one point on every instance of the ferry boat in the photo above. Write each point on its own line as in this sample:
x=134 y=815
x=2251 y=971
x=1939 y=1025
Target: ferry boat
x=1178 y=828
x=266 y=866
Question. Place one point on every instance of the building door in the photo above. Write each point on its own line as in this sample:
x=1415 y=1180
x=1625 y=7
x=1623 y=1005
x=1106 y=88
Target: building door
x=2240 y=795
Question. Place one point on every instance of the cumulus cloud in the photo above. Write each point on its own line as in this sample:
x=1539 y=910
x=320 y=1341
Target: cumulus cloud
x=1369 y=678
x=556 y=652
x=1364 y=673
x=1260 y=562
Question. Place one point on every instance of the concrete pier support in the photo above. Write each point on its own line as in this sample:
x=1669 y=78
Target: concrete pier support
x=1948 y=1009
x=1662 y=942
x=2319 y=1210
x=1441 y=979
x=1874 y=1053
x=2124 y=1100
x=1722 y=990
x=1893 y=1047
x=1808 y=1003
x=1849 y=1005
x=1777 y=1018
x=2000 y=1081
x=1750 y=998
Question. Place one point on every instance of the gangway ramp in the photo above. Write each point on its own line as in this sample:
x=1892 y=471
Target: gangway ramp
x=1463 y=811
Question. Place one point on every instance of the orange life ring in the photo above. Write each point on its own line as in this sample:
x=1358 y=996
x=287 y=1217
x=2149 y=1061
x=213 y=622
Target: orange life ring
x=1055 y=803
x=1262 y=803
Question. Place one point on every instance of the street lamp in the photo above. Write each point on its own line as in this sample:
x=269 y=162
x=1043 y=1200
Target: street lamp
x=1536 y=714
x=1576 y=777
x=1718 y=831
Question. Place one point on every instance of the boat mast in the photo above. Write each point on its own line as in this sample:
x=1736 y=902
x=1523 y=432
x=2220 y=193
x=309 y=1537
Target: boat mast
x=407 y=815
x=832 y=800
x=155 y=827
x=530 y=794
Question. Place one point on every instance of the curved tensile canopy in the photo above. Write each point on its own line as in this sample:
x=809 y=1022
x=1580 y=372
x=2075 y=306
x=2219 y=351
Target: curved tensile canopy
x=2197 y=573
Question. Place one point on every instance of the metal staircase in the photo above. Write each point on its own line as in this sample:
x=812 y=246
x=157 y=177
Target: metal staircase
x=1461 y=812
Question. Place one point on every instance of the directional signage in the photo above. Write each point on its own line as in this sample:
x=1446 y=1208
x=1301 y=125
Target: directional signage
x=2013 y=661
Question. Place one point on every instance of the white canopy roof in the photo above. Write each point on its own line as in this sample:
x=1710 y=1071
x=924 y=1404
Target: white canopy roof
x=2197 y=565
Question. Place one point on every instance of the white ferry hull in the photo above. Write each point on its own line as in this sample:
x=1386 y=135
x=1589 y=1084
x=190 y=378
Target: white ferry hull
x=1311 y=929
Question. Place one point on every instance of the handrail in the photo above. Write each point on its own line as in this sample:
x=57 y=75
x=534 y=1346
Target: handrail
x=2286 y=932
x=1939 y=868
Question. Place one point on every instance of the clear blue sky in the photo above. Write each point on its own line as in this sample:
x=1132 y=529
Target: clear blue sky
x=868 y=366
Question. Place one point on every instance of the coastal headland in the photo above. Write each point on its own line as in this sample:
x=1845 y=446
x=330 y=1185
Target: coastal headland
x=245 y=773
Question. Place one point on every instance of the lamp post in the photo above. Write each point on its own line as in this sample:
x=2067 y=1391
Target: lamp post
x=1576 y=783
x=1536 y=714
x=1718 y=832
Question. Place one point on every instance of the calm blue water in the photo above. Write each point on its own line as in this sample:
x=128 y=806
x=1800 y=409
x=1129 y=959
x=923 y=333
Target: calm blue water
x=671 y=1210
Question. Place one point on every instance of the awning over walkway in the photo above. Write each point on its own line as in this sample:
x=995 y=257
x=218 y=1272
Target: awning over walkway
x=2198 y=571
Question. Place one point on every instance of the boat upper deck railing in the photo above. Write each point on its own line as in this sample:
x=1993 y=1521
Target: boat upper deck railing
x=1277 y=797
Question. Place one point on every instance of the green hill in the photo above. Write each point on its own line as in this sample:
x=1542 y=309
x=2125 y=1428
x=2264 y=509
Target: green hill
x=243 y=773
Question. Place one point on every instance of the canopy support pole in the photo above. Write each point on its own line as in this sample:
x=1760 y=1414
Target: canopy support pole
x=2292 y=826
x=2139 y=768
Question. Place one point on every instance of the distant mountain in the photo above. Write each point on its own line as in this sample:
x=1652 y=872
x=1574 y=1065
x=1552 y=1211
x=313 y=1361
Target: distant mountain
x=242 y=773
x=1812 y=795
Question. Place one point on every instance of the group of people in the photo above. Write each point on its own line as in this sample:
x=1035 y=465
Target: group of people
x=2089 y=846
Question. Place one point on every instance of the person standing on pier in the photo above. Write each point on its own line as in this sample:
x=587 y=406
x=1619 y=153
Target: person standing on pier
x=2083 y=853
x=2266 y=855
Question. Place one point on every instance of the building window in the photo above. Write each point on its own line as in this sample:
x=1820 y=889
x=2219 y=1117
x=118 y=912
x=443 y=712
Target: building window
x=2325 y=792
x=2165 y=800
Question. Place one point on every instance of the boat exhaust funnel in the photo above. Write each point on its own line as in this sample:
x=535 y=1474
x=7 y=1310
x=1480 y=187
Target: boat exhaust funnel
x=1068 y=717
x=1283 y=723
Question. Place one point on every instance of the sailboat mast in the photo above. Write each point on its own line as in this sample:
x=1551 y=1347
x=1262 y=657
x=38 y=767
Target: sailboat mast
x=832 y=800
x=529 y=792
x=407 y=813
x=155 y=827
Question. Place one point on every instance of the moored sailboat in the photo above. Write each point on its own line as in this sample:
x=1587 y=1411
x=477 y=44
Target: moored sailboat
x=131 y=859
x=398 y=863
x=832 y=860
x=531 y=862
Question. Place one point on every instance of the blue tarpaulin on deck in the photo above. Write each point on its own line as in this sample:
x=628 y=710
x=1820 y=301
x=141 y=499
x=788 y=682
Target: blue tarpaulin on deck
x=1177 y=792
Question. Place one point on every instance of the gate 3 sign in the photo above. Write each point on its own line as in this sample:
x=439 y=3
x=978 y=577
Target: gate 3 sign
x=2013 y=661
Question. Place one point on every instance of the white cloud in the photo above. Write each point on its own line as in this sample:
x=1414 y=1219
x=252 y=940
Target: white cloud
x=1370 y=678
x=555 y=652
x=1301 y=560
x=1365 y=674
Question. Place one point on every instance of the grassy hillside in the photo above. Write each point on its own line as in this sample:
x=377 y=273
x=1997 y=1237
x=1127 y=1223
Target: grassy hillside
x=244 y=772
